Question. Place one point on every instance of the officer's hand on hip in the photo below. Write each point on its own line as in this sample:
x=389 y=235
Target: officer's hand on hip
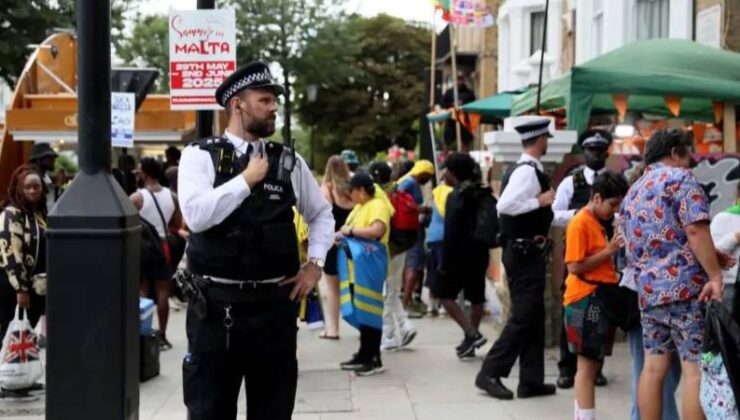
x=256 y=171
x=305 y=281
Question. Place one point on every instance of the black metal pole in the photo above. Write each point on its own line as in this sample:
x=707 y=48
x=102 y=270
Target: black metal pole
x=204 y=119
x=542 y=56
x=93 y=247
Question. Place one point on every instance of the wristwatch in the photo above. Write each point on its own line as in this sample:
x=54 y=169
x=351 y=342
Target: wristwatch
x=317 y=262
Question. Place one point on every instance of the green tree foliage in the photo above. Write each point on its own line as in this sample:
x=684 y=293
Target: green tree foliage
x=25 y=22
x=370 y=78
x=278 y=31
x=148 y=46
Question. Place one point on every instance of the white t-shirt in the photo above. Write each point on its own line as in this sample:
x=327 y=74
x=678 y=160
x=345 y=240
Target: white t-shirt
x=723 y=228
x=149 y=209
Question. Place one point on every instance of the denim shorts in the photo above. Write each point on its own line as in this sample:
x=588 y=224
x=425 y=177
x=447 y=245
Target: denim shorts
x=676 y=326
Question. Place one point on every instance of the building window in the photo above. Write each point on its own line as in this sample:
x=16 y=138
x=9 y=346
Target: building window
x=652 y=19
x=537 y=30
x=598 y=39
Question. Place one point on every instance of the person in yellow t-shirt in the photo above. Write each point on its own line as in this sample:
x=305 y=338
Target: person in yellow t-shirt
x=589 y=257
x=370 y=219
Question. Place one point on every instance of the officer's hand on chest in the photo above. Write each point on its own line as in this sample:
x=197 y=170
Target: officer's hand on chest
x=256 y=170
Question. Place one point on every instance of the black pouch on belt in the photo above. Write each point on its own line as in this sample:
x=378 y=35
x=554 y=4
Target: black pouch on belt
x=193 y=288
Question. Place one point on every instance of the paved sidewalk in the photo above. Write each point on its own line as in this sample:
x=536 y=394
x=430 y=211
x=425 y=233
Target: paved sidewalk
x=425 y=382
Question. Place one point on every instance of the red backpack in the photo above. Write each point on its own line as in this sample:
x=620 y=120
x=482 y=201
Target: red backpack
x=405 y=221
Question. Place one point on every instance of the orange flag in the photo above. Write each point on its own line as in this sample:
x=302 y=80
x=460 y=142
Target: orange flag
x=673 y=104
x=719 y=110
x=699 y=129
x=620 y=103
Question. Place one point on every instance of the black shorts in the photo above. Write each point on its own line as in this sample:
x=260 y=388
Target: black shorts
x=156 y=272
x=471 y=282
x=330 y=266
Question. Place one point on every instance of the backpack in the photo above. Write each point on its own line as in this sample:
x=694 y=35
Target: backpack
x=486 y=228
x=405 y=221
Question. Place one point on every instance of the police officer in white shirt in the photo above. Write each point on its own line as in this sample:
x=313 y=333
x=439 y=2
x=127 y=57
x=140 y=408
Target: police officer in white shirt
x=525 y=209
x=237 y=194
x=573 y=194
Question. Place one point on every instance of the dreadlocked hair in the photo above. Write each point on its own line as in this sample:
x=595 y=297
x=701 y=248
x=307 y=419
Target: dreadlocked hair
x=15 y=191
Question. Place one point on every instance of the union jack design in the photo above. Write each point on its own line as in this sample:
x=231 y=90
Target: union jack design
x=22 y=347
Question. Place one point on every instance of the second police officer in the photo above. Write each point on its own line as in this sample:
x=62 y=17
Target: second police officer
x=525 y=209
x=237 y=194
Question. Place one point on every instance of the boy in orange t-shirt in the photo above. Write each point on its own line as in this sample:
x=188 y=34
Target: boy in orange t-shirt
x=589 y=256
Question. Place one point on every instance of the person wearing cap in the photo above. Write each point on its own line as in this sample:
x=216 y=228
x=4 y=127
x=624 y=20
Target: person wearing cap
x=350 y=158
x=398 y=330
x=42 y=160
x=237 y=193
x=420 y=174
x=369 y=221
x=525 y=209
x=572 y=195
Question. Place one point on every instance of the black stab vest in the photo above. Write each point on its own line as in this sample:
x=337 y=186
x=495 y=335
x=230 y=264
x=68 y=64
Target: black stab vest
x=528 y=225
x=581 y=191
x=258 y=240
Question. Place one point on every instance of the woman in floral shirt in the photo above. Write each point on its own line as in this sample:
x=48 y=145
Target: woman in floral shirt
x=672 y=259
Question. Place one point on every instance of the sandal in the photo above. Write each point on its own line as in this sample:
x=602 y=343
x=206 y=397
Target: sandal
x=325 y=336
x=164 y=345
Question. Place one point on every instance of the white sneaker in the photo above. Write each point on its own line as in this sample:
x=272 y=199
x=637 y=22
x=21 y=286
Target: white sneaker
x=390 y=344
x=408 y=337
x=177 y=305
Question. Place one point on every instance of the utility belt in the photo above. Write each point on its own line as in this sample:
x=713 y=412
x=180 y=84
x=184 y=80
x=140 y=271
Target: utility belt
x=538 y=245
x=200 y=291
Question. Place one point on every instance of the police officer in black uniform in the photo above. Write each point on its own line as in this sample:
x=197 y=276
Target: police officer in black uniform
x=525 y=209
x=237 y=194
x=573 y=194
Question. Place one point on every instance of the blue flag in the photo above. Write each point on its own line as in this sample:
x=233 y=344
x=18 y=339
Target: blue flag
x=362 y=265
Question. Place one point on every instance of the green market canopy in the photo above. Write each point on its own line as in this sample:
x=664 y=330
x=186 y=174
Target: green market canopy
x=490 y=108
x=652 y=75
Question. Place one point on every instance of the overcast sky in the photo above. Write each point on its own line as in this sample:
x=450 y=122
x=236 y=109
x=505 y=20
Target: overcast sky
x=420 y=10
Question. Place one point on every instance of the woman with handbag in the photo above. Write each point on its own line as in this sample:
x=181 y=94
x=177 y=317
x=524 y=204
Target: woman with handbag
x=591 y=306
x=158 y=206
x=22 y=256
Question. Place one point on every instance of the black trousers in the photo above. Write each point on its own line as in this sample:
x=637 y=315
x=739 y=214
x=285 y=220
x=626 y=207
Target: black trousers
x=261 y=352
x=370 y=339
x=523 y=336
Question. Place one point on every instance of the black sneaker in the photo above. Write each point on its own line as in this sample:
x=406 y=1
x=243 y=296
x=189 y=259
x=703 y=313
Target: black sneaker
x=467 y=348
x=601 y=380
x=352 y=364
x=373 y=368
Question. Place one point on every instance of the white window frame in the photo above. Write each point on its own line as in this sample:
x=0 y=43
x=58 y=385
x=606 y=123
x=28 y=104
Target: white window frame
x=598 y=25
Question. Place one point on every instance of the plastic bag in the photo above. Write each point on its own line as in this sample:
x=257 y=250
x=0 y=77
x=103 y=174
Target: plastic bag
x=717 y=398
x=720 y=383
x=20 y=365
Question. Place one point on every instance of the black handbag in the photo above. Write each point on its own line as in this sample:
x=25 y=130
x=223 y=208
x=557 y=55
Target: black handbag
x=152 y=253
x=722 y=335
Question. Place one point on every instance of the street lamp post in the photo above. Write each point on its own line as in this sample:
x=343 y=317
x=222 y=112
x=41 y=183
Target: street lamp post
x=93 y=257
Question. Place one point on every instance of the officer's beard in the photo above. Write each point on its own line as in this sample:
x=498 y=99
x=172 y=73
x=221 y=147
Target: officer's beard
x=260 y=128
x=595 y=165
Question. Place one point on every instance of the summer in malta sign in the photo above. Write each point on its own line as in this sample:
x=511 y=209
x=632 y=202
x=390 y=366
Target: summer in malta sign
x=202 y=55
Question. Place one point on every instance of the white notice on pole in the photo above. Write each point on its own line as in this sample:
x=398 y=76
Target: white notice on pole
x=202 y=55
x=123 y=110
x=708 y=26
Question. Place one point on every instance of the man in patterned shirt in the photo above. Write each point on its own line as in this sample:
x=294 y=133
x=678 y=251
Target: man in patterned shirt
x=672 y=259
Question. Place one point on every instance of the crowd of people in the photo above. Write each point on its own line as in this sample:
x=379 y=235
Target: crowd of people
x=642 y=255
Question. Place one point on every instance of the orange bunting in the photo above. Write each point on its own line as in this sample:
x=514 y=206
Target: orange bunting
x=673 y=104
x=620 y=104
x=719 y=110
x=699 y=129
x=471 y=122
